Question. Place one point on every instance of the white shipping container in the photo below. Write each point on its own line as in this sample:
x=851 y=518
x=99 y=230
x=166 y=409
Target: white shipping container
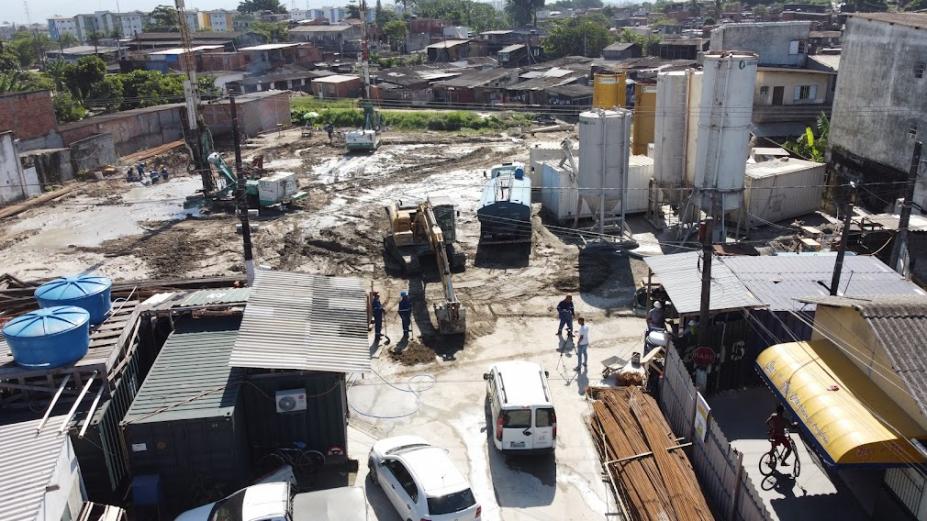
x=640 y=172
x=781 y=189
x=276 y=187
x=548 y=152
x=560 y=198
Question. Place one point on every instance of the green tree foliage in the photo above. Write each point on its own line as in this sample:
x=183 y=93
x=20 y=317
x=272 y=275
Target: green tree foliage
x=106 y=94
x=523 y=12
x=24 y=81
x=67 y=108
x=149 y=88
x=648 y=42
x=163 y=18
x=575 y=4
x=29 y=48
x=383 y=16
x=273 y=31
x=582 y=36
x=810 y=146
x=8 y=61
x=257 y=6
x=395 y=31
x=80 y=78
x=66 y=40
x=476 y=15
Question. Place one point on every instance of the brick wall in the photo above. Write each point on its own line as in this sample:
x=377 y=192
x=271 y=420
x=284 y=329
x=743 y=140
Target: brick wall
x=28 y=114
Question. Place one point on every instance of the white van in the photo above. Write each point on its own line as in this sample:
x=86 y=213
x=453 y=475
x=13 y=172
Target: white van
x=523 y=416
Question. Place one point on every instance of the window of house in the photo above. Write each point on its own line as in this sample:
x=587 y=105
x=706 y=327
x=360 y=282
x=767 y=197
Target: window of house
x=764 y=92
x=919 y=69
x=806 y=93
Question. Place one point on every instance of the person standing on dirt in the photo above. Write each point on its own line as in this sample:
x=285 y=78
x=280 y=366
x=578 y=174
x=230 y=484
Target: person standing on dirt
x=376 y=309
x=582 y=344
x=566 y=311
x=405 y=312
x=330 y=130
x=656 y=317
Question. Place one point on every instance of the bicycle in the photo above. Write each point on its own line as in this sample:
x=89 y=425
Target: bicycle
x=301 y=459
x=769 y=462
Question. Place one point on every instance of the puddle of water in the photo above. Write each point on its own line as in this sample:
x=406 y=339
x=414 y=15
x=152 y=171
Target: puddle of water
x=479 y=476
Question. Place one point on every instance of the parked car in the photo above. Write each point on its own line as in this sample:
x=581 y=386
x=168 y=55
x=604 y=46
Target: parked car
x=523 y=416
x=421 y=482
x=276 y=501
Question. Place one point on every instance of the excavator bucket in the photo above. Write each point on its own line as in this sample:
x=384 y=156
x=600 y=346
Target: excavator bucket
x=451 y=321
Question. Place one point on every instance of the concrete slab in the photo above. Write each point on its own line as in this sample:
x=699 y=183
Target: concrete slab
x=447 y=408
x=814 y=495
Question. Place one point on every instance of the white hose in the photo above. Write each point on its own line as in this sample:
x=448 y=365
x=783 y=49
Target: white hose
x=431 y=380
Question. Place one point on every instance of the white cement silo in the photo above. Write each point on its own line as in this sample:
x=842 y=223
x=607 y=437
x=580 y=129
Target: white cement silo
x=724 y=115
x=669 y=144
x=604 y=148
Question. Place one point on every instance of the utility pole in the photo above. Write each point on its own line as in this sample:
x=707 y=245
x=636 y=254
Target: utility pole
x=241 y=196
x=842 y=250
x=899 y=259
x=706 y=233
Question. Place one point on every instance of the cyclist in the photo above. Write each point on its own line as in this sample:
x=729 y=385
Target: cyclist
x=777 y=423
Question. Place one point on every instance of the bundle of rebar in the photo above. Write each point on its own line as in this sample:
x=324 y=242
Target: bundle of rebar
x=651 y=474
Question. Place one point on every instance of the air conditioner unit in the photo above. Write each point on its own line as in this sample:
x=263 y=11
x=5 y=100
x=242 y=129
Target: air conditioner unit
x=291 y=400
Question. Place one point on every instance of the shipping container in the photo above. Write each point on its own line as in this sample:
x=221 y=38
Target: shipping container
x=185 y=425
x=559 y=195
x=781 y=189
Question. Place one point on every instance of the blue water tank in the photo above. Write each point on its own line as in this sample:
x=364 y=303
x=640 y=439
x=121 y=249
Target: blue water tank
x=90 y=292
x=49 y=337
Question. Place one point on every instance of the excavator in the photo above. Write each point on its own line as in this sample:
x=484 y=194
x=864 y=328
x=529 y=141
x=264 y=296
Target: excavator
x=268 y=191
x=424 y=230
x=366 y=139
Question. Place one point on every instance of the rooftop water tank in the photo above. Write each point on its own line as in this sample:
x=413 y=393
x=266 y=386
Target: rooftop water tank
x=49 y=337
x=90 y=292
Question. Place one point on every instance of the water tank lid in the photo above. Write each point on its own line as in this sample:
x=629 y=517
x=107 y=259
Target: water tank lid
x=46 y=321
x=73 y=287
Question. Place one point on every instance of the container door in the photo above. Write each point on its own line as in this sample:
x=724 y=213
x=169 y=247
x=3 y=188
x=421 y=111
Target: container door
x=517 y=429
x=545 y=427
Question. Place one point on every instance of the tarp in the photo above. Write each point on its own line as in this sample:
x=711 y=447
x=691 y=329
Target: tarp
x=852 y=420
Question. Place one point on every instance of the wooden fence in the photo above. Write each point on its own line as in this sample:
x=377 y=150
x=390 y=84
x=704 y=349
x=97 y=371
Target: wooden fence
x=719 y=468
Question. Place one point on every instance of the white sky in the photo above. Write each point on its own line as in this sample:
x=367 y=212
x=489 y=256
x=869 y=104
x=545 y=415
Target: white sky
x=40 y=10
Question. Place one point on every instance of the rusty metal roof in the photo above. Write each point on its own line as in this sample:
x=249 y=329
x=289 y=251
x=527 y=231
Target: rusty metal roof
x=306 y=322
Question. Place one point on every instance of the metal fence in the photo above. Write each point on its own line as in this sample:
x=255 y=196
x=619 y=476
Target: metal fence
x=725 y=483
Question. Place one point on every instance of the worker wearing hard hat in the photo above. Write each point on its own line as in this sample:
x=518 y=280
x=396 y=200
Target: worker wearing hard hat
x=656 y=317
x=376 y=309
x=405 y=312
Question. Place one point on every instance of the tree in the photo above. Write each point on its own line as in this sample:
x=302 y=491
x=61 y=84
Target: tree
x=648 y=42
x=66 y=40
x=94 y=38
x=107 y=94
x=67 y=108
x=272 y=31
x=29 y=48
x=8 y=61
x=163 y=18
x=395 y=31
x=88 y=71
x=257 y=6
x=477 y=15
x=24 y=81
x=810 y=146
x=59 y=71
x=353 y=11
x=523 y=12
x=382 y=16
x=584 y=36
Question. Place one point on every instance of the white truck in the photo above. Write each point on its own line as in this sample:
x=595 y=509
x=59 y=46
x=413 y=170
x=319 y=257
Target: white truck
x=276 y=501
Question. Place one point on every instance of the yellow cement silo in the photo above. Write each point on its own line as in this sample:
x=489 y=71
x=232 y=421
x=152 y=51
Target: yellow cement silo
x=608 y=90
x=645 y=108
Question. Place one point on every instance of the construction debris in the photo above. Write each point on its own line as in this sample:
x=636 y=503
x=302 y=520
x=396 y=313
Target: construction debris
x=651 y=477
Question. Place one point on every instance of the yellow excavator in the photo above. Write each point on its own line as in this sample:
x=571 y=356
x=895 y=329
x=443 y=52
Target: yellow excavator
x=421 y=231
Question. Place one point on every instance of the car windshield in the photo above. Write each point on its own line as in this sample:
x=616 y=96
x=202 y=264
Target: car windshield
x=516 y=419
x=228 y=509
x=451 y=503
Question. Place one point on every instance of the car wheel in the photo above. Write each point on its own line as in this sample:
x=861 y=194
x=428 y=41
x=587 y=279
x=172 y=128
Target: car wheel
x=372 y=472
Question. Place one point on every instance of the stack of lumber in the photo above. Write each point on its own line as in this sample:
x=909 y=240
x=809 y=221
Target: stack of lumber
x=651 y=474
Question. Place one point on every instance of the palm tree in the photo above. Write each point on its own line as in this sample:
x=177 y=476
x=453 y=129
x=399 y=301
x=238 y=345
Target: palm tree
x=66 y=40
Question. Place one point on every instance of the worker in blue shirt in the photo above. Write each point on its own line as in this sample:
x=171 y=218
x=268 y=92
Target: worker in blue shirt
x=405 y=312
x=566 y=312
x=376 y=309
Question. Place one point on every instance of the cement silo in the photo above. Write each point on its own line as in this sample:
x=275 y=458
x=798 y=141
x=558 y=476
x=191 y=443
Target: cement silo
x=604 y=148
x=669 y=143
x=724 y=115
x=645 y=102
x=609 y=90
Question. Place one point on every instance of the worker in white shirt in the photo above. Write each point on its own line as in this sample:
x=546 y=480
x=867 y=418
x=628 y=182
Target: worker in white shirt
x=582 y=344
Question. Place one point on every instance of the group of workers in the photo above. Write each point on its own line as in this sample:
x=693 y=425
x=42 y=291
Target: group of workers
x=137 y=174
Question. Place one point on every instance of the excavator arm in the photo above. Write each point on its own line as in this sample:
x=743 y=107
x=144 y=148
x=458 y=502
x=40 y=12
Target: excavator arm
x=231 y=182
x=451 y=317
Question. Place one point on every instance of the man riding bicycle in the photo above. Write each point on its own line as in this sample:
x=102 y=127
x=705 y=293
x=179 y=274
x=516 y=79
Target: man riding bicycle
x=777 y=424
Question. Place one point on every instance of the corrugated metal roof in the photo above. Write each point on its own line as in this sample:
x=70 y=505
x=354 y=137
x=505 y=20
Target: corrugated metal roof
x=191 y=377
x=27 y=465
x=304 y=321
x=779 y=281
x=900 y=324
x=681 y=276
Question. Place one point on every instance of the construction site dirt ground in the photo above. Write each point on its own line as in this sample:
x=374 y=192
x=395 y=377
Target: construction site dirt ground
x=129 y=232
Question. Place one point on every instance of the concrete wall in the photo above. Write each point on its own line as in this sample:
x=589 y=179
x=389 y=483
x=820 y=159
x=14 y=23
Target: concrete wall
x=878 y=101
x=770 y=40
x=49 y=166
x=15 y=184
x=89 y=154
x=132 y=130
x=258 y=112
x=790 y=80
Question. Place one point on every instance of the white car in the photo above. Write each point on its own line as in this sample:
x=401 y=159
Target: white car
x=277 y=502
x=421 y=482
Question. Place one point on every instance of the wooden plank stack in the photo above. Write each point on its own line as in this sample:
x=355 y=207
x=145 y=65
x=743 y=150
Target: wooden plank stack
x=652 y=476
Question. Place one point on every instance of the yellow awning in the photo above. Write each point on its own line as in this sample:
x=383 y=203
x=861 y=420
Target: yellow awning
x=852 y=420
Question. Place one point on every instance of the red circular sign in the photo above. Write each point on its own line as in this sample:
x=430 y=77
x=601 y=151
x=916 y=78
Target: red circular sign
x=703 y=356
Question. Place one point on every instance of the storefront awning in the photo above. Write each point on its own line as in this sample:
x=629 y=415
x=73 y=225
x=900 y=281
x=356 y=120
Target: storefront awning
x=852 y=421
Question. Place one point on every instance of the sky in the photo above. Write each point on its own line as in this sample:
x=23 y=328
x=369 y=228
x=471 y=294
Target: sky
x=40 y=10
